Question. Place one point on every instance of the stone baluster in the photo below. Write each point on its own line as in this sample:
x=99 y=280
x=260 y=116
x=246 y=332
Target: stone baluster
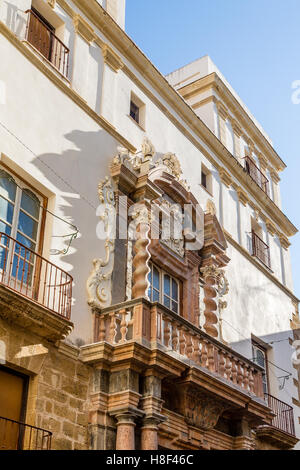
x=167 y=332
x=221 y=363
x=102 y=329
x=182 y=343
x=234 y=370
x=189 y=344
x=251 y=380
x=228 y=367
x=196 y=353
x=246 y=377
x=203 y=354
x=123 y=328
x=239 y=374
x=175 y=339
x=211 y=357
x=112 y=328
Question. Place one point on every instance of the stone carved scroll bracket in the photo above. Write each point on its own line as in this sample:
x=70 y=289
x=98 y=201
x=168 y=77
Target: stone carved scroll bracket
x=99 y=281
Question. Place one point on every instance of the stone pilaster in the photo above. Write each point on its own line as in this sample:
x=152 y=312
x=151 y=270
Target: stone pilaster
x=151 y=404
x=222 y=116
x=237 y=132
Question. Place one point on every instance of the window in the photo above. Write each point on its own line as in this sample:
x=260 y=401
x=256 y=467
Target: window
x=259 y=248
x=41 y=32
x=20 y=218
x=134 y=111
x=206 y=179
x=163 y=288
x=259 y=355
x=137 y=110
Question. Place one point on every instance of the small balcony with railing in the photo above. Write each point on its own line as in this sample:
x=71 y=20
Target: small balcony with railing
x=30 y=283
x=281 y=431
x=41 y=35
x=256 y=174
x=260 y=250
x=15 y=435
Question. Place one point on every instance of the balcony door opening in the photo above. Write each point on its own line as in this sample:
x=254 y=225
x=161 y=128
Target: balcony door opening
x=13 y=397
x=40 y=34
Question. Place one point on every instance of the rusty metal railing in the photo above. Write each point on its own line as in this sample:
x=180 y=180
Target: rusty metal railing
x=26 y=272
x=15 y=435
x=284 y=417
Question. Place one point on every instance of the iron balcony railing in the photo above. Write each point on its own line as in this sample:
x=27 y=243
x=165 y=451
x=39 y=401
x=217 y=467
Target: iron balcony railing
x=15 y=435
x=256 y=174
x=284 y=417
x=26 y=272
x=42 y=37
x=261 y=250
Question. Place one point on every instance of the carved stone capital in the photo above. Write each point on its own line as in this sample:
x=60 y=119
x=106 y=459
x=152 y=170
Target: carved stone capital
x=111 y=58
x=83 y=28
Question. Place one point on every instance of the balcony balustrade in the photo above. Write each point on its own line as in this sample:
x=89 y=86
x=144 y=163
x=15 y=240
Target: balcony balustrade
x=256 y=174
x=261 y=250
x=284 y=417
x=15 y=435
x=41 y=36
x=144 y=322
x=24 y=271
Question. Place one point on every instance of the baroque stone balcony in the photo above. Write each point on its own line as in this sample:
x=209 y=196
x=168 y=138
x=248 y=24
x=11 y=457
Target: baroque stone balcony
x=155 y=326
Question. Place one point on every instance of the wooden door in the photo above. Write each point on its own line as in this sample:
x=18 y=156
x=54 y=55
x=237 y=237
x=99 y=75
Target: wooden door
x=40 y=34
x=13 y=388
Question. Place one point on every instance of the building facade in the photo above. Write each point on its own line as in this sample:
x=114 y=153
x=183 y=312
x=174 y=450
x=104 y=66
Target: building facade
x=111 y=335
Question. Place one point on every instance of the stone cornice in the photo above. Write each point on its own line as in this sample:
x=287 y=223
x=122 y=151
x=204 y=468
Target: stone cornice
x=241 y=194
x=213 y=81
x=111 y=58
x=261 y=267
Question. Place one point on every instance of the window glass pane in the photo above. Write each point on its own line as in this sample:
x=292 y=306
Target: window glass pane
x=166 y=301
x=174 y=290
x=8 y=187
x=155 y=296
x=175 y=307
x=30 y=203
x=260 y=358
x=5 y=229
x=27 y=225
x=6 y=210
x=155 y=278
x=28 y=244
x=167 y=285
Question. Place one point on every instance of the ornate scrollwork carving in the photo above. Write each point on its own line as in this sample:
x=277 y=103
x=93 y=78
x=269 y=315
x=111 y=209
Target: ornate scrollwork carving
x=201 y=410
x=172 y=166
x=99 y=281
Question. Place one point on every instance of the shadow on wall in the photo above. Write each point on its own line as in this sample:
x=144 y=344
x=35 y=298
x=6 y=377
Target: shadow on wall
x=15 y=18
x=75 y=173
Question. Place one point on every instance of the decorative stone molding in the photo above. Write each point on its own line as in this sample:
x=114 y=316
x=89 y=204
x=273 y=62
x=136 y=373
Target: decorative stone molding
x=51 y=3
x=173 y=210
x=210 y=276
x=172 y=165
x=211 y=207
x=270 y=227
x=225 y=177
x=236 y=128
x=65 y=6
x=222 y=110
x=284 y=242
x=274 y=176
x=201 y=410
x=99 y=281
x=111 y=58
x=241 y=194
x=83 y=28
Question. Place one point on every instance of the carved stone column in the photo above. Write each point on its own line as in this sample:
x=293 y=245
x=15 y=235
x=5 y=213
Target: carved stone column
x=151 y=404
x=149 y=437
x=142 y=255
x=210 y=274
x=125 y=431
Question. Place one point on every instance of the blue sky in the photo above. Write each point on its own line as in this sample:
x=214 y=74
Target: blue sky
x=256 y=45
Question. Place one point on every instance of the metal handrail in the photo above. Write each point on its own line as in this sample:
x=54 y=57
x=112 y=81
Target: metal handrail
x=284 y=417
x=33 y=276
x=256 y=174
x=16 y=435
